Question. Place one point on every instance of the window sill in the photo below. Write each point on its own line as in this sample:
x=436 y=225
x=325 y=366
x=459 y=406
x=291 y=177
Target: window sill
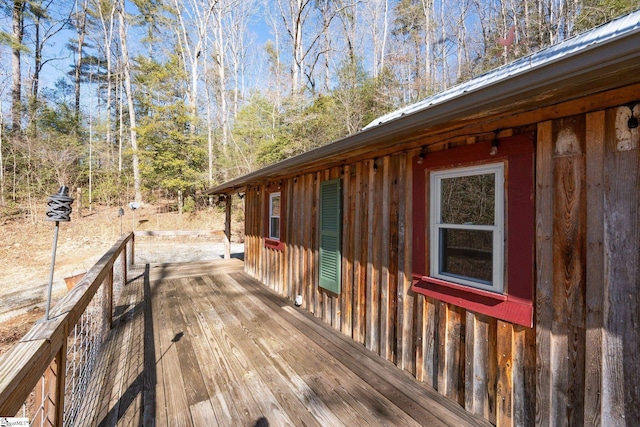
x=499 y=306
x=278 y=245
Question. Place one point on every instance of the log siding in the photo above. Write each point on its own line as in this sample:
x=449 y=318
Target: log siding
x=576 y=366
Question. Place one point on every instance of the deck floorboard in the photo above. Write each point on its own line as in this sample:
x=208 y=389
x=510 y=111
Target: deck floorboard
x=204 y=344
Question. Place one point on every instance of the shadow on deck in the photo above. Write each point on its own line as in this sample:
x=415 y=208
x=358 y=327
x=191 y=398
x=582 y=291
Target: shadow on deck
x=205 y=344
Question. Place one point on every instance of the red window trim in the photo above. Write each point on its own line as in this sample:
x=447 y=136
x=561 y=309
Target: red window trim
x=269 y=242
x=516 y=304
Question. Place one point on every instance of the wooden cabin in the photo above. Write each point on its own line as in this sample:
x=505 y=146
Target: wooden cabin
x=485 y=239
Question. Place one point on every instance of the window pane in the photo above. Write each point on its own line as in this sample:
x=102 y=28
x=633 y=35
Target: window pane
x=468 y=199
x=467 y=253
x=275 y=205
x=275 y=228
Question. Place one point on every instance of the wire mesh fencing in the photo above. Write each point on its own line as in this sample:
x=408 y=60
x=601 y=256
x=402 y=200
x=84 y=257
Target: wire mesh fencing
x=83 y=346
x=85 y=342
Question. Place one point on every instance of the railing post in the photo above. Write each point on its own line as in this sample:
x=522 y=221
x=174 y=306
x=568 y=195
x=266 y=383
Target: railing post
x=61 y=367
x=132 y=249
x=50 y=390
x=227 y=228
x=107 y=299
x=124 y=264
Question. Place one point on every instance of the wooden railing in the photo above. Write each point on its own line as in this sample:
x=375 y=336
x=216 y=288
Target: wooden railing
x=38 y=362
x=40 y=357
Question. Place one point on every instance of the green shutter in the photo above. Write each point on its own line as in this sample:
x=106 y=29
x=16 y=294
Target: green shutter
x=330 y=223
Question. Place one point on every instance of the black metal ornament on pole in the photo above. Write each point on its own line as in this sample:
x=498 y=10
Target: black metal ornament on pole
x=121 y=214
x=58 y=210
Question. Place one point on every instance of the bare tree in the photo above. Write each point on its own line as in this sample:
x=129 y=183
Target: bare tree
x=17 y=18
x=105 y=11
x=219 y=60
x=210 y=129
x=376 y=16
x=429 y=35
x=293 y=14
x=126 y=70
x=45 y=27
x=239 y=43
x=324 y=7
x=274 y=51
x=228 y=27
x=305 y=31
x=193 y=17
x=348 y=13
x=80 y=26
x=2 y=200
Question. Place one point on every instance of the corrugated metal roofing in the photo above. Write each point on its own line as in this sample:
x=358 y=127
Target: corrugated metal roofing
x=625 y=25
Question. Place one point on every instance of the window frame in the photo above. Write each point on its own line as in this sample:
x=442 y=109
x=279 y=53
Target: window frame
x=272 y=216
x=515 y=303
x=271 y=242
x=436 y=225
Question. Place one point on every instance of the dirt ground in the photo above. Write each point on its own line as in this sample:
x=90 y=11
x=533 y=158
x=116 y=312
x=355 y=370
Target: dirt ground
x=26 y=252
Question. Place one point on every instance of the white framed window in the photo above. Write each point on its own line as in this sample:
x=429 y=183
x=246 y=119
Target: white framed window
x=467 y=226
x=274 y=216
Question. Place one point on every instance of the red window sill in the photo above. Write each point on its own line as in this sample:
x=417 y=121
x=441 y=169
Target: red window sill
x=499 y=306
x=278 y=245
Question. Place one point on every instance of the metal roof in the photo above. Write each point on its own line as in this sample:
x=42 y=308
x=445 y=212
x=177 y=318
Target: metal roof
x=600 y=59
x=528 y=64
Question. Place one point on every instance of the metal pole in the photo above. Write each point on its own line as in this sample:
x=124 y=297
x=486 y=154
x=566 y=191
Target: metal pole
x=53 y=263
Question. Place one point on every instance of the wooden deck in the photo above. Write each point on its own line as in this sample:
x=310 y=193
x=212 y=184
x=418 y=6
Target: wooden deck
x=205 y=344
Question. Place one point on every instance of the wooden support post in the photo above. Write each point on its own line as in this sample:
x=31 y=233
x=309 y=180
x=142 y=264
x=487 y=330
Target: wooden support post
x=125 y=259
x=132 y=244
x=50 y=391
x=60 y=363
x=227 y=228
x=107 y=300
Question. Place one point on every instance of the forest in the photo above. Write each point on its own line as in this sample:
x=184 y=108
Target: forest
x=147 y=99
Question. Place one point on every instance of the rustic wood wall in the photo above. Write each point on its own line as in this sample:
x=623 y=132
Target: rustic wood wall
x=588 y=286
x=579 y=366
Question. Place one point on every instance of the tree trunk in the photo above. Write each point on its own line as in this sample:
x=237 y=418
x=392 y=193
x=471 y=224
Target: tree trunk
x=2 y=200
x=445 y=65
x=297 y=51
x=375 y=10
x=193 y=50
x=33 y=102
x=81 y=29
x=16 y=85
x=126 y=69
x=292 y=15
x=121 y=124
x=222 y=83
x=427 y=11
x=207 y=93
x=107 y=23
